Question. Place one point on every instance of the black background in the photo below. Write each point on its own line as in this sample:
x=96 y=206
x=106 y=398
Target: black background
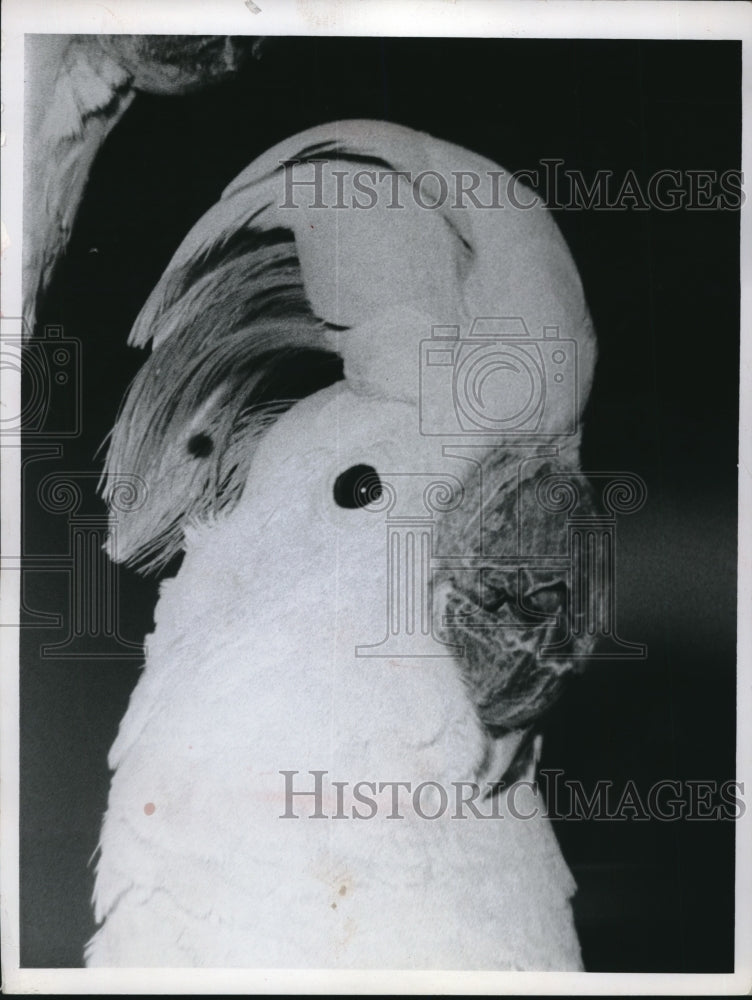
x=663 y=288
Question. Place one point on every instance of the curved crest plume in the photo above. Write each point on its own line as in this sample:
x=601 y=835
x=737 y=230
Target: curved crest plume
x=236 y=343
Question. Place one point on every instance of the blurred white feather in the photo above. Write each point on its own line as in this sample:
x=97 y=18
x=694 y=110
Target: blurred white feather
x=78 y=88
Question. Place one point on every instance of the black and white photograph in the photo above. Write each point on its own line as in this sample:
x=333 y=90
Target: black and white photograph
x=375 y=564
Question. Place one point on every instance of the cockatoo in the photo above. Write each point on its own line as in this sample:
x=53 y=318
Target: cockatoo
x=343 y=617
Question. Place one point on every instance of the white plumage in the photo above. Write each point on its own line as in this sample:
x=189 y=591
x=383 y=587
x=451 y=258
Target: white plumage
x=78 y=89
x=252 y=668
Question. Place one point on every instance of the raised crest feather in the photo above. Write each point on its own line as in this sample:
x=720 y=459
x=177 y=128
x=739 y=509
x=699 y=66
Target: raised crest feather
x=243 y=345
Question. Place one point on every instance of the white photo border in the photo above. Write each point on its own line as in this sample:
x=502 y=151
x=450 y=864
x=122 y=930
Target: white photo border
x=409 y=18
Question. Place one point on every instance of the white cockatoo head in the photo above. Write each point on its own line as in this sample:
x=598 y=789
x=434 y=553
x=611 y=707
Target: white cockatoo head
x=277 y=425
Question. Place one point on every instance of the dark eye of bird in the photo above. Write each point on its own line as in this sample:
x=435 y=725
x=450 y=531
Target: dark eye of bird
x=200 y=445
x=357 y=487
